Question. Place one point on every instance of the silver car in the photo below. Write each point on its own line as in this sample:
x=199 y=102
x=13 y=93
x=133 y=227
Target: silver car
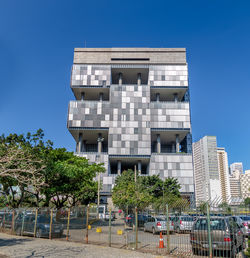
x=246 y=223
x=158 y=224
x=183 y=223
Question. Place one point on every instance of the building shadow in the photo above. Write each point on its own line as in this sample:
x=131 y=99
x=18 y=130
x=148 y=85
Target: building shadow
x=13 y=241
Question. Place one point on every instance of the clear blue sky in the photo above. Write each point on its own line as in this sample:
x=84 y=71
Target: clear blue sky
x=37 y=39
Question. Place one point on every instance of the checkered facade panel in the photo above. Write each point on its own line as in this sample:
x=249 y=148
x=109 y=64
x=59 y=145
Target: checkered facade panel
x=100 y=75
x=178 y=166
x=89 y=114
x=245 y=185
x=91 y=75
x=170 y=115
x=129 y=130
x=168 y=75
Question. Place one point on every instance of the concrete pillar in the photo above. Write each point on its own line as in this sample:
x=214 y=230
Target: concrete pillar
x=119 y=167
x=120 y=79
x=80 y=142
x=83 y=146
x=99 y=143
x=157 y=97
x=173 y=147
x=158 y=143
x=139 y=167
x=177 y=141
x=101 y=96
x=82 y=96
x=139 y=79
x=175 y=97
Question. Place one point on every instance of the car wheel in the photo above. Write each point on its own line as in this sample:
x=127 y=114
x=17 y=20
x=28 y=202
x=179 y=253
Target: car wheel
x=244 y=244
x=18 y=231
x=233 y=252
x=153 y=231
x=39 y=233
x=195 y=251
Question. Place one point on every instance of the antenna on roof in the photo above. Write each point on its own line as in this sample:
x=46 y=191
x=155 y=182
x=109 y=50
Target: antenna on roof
x=85 y=43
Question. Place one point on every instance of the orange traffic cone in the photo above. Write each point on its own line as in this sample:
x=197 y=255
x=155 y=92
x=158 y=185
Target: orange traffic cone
x=161 y=242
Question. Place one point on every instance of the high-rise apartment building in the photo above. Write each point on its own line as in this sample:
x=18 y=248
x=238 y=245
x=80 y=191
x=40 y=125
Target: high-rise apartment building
x=235 y=187
x=206 y=172
x=132 y=108
x=224 y=175
x=245 y=184
x=236 y=166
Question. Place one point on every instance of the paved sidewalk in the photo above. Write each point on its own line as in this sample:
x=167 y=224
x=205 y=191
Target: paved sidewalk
x=20 y=247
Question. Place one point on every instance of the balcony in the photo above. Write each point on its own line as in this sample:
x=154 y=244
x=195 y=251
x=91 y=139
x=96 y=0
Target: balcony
x=169 y=115
x=171 y=142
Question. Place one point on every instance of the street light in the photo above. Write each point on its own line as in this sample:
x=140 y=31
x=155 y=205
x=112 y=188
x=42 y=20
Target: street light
x=98 y=158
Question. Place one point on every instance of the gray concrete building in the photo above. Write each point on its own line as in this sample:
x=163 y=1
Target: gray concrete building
x=132 y=108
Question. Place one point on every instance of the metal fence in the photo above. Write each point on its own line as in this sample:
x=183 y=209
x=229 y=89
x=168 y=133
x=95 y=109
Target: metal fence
x=178 y=232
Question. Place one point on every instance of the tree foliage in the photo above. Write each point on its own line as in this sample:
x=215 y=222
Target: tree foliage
x=32 y=172
x=149 y=190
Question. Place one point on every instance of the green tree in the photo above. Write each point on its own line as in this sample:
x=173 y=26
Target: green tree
x=202 y=207
x=148 y=190
x=128 y=194
x=247 y=201
x=225 y=208
x=169 y=194
x=20 y=169
x=69 y=179
x=33 y=173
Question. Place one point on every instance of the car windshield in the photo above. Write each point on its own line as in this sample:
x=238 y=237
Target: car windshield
x=187 y=219
x=44 y=219
x=160 y=219
x=215 y=224
x=245 y=218
x=101 y=209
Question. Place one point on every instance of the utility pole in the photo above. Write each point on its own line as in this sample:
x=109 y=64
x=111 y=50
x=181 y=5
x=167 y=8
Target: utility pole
x=136 y=216
x=98 y=157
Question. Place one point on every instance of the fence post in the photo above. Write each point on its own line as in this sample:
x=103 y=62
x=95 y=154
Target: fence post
x=87 y=226
x=67 y=235
x=35 y=223
x=13 y=222
x=109 y=227
x=136 y=228
x=168 y=237
x=209 y=232
x=3 y=219
x=23 y=223
x=50 y=226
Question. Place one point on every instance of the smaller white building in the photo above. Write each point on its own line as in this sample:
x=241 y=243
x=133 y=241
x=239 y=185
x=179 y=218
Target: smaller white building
x=245 y=184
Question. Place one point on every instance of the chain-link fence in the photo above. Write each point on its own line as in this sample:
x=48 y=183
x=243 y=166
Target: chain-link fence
x=177 y=230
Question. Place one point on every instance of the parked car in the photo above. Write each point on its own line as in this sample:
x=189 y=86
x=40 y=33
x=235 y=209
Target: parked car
x=226 y=235
x=238 y=220
x=130 y=220
x=26 y=225
x=183 y=223
x=158 y=224
x=107 y=215
x=246 y=224
x=6 y=220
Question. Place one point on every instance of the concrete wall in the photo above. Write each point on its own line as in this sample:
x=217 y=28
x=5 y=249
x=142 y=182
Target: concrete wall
x=155 y=55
